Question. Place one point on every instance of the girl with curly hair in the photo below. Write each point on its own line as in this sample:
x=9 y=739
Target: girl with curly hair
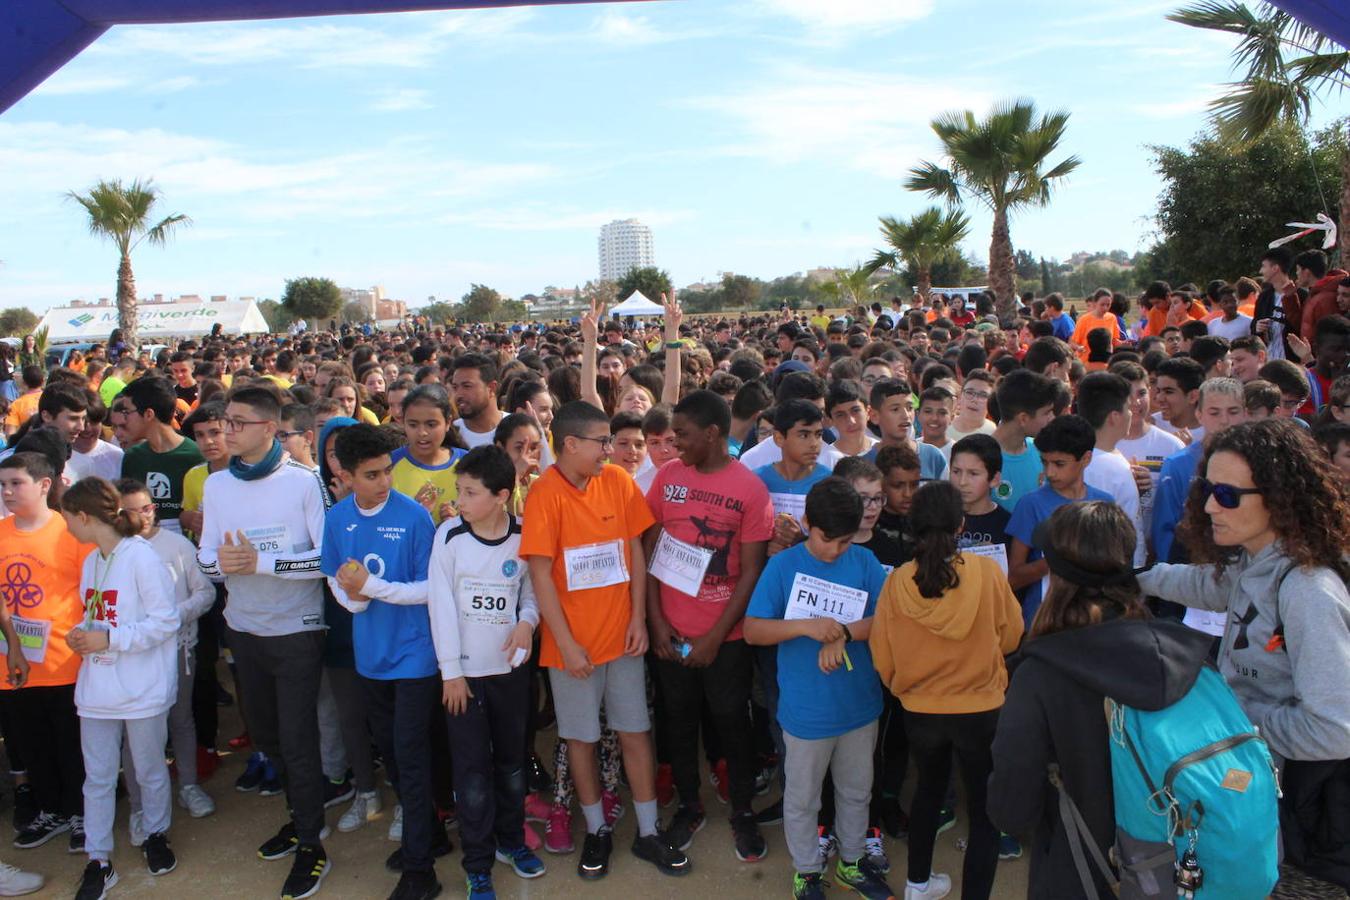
x=1267 y=528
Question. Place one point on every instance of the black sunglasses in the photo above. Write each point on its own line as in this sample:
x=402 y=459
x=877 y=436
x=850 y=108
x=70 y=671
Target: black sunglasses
x=1228 y=496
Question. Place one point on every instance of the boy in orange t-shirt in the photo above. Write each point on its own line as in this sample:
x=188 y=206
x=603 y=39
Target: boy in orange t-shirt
x=1099 y=315
x=582 y=539
x=40 y=564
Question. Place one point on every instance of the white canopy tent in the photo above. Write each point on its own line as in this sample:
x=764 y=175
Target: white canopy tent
x=70 y=324
x=637 y=305
x=953 y=291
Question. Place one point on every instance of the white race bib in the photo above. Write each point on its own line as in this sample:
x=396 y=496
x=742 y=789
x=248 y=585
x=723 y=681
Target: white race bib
x=1205 y=620
x=680 y=564
x=486 y=602
x=33 y=636
x=789 y=504
x=816 y=598
x=595 y=565
x=997 y=552
x=269 y=538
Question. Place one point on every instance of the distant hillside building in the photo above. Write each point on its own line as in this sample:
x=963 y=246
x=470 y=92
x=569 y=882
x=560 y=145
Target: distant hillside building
x=624 y=245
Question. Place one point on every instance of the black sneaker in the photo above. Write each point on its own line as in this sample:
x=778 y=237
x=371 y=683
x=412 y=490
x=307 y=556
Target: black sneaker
x=97 y=878
x=281 y=844
x=271 y=782
x=687 y=822
x=440 y=846
x=311 y=864
x=656 y=851
x=771 y=814
x=76 y=835
x=159 y=858
x=252 y=776
x=25 y=807
x=750 y=845
x=335 y=792
x=594 y=862
x=416 y=886
x=42 y=829
x=540 y=782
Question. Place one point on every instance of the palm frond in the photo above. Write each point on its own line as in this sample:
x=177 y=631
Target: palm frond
x=882 y=259
x=1251 y=107
x=937 y=182
x=158 y=234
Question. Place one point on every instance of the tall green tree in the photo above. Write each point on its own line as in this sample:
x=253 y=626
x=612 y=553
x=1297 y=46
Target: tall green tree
x=1284 y=65
x=653 y=282
x=18 y=321
x=920 y=242
x=1003 y=161
x=313 y=299
x=123 y=213
x=480 y=304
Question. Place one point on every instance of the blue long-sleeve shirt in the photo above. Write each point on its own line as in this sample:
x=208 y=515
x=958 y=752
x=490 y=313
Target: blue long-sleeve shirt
x=1174 y=482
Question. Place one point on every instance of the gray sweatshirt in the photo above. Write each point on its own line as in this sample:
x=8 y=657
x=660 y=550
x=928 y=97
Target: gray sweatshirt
x=1297 y=695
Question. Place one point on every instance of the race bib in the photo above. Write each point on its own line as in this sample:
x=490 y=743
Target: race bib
x=680 y=564
x=595 y=565
x=997 y=552
x=816 y=598
x=486 y=602
x=33 y=636
x=1208 y=621
x=789 y=504
x=269 y=538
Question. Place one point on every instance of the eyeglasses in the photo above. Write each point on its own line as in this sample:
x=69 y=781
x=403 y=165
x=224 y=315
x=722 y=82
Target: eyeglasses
x=878 y=500
x=287 y=435
x=1228 y=496
x=241 y=424
x=1291 y=402
x=975 y=395
x=606 y=441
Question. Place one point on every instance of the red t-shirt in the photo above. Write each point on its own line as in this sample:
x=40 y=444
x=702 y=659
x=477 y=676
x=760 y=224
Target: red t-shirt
x=718 y=511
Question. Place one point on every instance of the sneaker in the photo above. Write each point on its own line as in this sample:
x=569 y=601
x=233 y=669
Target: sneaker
x=479 y=886
x=97 y=878
x=42 y=829
x=594 y=862
x=159 y=858
x=613 y=807
x=532 y=838
x=875 y=850
x=207 y=763
x=271 y=782
x=807 y=886
x=196 y=801
x=537 y=809
x=665 y=785
x=721 y=780
x=539 y=781
x=1009 y=847
x=366 y=805
x=25 y=807
x=558 y=831
x=858 y=876
x=894 y=820
x=687 y=822
x=521 y=860
x=440 y=846
x=946 y=820
x=311 y=864
x=448 y=818
x=285 y=842
x=396 y=826
x=253 y=774
x=336 y=792
x=655 y=850
x=242 y=742
x=763 y=781
x=136 y=828
x=416 y=886
x=771 y=814
x=938 y=886
x=750 y=845
x=829 y=844
x=15 y=882
x=76 y=844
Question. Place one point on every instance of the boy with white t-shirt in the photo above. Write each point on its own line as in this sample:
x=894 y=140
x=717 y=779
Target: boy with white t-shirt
x=1144 y=444
x=1103 y=399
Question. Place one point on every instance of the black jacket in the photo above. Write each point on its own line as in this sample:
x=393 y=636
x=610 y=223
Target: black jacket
x=1054 y=712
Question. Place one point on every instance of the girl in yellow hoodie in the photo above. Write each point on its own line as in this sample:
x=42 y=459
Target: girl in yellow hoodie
x=943 y=625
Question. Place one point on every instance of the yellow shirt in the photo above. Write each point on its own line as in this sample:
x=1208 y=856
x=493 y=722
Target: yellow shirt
x=367 y=416
x=194 y=483
x=410 y=477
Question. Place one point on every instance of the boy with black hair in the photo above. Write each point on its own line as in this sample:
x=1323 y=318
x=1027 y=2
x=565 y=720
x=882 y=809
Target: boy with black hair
x=751 y=399
x=713 y=521
x=1278 y=308
x=1295 y=389
x=656 y=431
x=64 y=407
x=1065 y=447
x=977 y=466
x=1177 y=393
x=582 y=541
x=1026 y=402
x=1104 y=401
x=815 y=601
x=901 y=473
x=1335 y=440
x=1050 y=357
x=846 y=408
x=1211 y=352
x=1145 y=446
x=1330 y=347
x=935 y=417
x=892 y=414
x=483 y=617
x=797 y=429
x=297 y=434
x=1192 y=330
x=89 y=453
x=159 y=456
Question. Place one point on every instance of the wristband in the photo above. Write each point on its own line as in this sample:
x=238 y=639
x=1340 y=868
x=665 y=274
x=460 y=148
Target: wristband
x=674 y=345
x=848 y=635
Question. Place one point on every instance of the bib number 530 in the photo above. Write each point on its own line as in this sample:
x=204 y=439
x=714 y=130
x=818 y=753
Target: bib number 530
x=495 y=604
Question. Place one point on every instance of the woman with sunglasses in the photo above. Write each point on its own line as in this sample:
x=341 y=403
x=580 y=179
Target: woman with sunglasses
x=1267 y=528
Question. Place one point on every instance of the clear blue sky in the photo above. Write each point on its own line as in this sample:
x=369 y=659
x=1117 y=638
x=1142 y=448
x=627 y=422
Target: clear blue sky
x=424 y=152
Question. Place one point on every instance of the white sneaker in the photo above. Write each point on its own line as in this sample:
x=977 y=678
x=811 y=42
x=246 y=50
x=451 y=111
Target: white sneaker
x=363 y=807
x=137 y=829
x=15 y=882
x=196 y=801
x=938 y=886
x=396 y=826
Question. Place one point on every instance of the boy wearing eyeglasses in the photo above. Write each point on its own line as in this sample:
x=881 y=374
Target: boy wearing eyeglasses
x=582 y=540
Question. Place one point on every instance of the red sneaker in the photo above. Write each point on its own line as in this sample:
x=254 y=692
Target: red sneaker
x=207 y=762
x=532 y=839
x=722 y=781
x=242 y=742
x=558 y=834
x=665 y=785
x=537 y=809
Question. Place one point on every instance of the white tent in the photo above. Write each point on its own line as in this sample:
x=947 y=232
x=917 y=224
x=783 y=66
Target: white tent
x=69 y=324
x=637 y=305
x=954 y=291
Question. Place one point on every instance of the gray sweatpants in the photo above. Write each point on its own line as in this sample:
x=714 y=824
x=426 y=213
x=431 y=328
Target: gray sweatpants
x=101 y=743
x=182 y=732
x=848 y=757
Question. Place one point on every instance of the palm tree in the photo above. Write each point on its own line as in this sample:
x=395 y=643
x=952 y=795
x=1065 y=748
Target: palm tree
x=1001 y=162
x=850 y=288
x=920 y=242
x=1287 y=64
x=121 y=213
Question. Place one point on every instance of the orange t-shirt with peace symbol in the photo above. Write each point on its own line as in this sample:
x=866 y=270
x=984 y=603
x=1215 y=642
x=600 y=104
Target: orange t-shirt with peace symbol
x=40 y=584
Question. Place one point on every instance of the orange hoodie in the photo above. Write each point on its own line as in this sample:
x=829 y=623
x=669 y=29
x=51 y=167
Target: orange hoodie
x=945 y=654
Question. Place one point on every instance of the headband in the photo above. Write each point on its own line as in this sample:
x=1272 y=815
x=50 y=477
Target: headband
x=1072 y=572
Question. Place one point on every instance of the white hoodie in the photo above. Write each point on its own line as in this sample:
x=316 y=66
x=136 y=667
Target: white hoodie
x=135 y=678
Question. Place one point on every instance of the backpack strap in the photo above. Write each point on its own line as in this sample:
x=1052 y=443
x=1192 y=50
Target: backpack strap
x=1079 y=836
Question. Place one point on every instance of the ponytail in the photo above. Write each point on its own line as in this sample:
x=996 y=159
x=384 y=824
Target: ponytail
x=936 y=517
x=99 y=499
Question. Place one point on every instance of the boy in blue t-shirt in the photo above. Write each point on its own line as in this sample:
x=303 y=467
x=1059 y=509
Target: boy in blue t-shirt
x=1026 y=403
x=798 y=429
x=376 y=546
x=815 y=601
x=1065 y=447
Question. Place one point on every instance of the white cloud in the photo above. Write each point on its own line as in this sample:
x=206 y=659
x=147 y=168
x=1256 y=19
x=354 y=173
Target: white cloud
x=402 y=100
x=541 y=218
x=69 y=82
x=835 y=15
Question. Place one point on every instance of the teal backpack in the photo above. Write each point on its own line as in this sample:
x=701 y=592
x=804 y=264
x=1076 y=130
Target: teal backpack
x=1195 y=800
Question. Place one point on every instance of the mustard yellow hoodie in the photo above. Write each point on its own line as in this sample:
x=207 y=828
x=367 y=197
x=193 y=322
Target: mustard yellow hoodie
x=945 y=654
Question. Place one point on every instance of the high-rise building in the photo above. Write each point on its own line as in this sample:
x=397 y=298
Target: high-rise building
x=624 y=245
